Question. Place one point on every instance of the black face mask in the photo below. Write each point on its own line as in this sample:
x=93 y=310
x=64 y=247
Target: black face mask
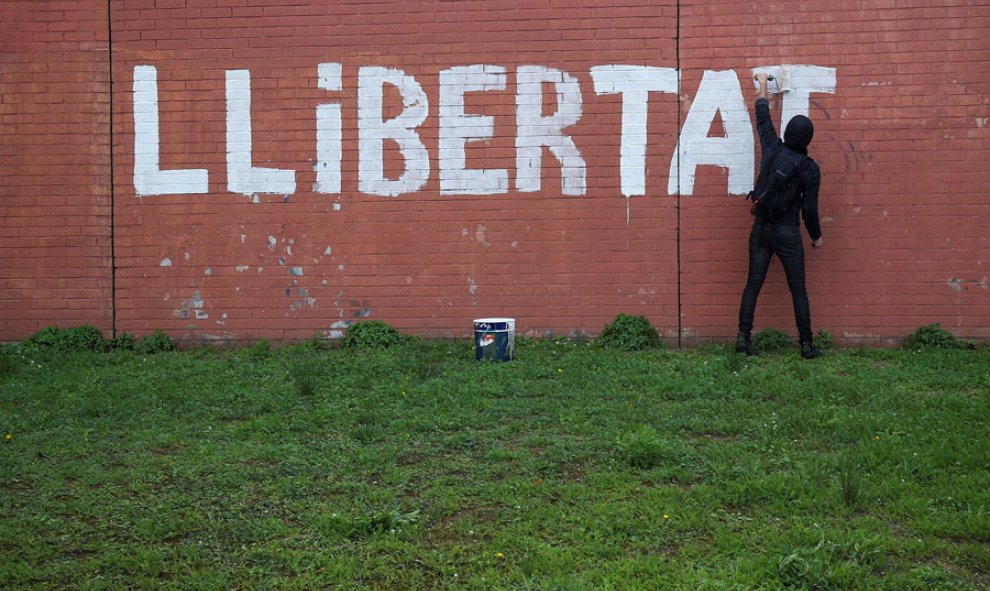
x=798 y=134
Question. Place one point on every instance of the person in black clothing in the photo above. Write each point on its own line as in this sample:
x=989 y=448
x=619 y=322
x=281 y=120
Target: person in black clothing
x=782 y=236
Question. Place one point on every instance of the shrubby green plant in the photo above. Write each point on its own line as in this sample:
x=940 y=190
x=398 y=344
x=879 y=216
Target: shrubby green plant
x=371 y=334
x=83 y=338
x=824 y=340
x=66 y=340
x=771 y=339
x=89 y=338
x=46 y=339
x=156 y=342
x=125 y=341
x=630 y=333
x=933 y=336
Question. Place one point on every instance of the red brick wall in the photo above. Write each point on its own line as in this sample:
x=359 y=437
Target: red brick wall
x=901 y=140
x=55 y=236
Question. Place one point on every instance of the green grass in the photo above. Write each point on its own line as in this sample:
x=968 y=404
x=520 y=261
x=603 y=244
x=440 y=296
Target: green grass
x=571 y=468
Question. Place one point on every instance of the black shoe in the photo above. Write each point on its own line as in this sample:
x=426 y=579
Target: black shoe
x=810 y=351
x=744 y=344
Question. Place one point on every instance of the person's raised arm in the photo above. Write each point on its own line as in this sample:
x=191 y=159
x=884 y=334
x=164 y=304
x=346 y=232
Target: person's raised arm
x=762 y=79
x=764 y=126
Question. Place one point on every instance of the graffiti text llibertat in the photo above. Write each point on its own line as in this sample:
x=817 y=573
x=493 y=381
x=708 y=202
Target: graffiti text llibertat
x=719 y=94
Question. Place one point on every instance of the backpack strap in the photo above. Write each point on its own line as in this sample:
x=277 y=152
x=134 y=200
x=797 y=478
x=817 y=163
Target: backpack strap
x=761 y=179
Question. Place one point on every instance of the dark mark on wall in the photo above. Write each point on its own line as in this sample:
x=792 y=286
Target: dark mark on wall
x=823 y=110
x=854 y=161
x=364 y=311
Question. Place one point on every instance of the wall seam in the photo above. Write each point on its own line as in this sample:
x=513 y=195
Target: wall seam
x=113 y=221
x=677 y=171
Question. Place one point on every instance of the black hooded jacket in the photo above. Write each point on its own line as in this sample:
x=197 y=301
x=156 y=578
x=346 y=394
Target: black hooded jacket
x=797 y=136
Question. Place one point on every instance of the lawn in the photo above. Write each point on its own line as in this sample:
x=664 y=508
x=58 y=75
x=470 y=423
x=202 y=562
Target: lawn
x=571 y=468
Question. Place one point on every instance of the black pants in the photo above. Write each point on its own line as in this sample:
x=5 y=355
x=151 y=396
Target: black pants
x=765 y=240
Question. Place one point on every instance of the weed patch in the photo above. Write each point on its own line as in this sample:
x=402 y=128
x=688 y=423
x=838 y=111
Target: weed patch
x=125 y=341
x=824 y=340
x=371 y=335
x=772 y=339
x=156 y=342
x=361 y=526
x=630 y=333
x=65 y=340
x=933 y=336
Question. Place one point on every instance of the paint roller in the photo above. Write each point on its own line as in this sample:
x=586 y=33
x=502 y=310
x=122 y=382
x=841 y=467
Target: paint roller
x=781 y=82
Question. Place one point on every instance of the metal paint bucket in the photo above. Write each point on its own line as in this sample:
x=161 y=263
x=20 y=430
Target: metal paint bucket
x=495 y=339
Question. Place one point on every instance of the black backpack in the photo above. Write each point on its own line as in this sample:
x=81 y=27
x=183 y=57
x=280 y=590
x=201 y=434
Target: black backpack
x=779 y=184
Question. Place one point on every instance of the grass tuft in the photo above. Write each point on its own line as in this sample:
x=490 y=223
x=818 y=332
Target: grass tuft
x=850 y=482
x=365 y=525
x=641 y=447
x=304 y=375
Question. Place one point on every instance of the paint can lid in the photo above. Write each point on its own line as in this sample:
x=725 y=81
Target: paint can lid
x=495 y=323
